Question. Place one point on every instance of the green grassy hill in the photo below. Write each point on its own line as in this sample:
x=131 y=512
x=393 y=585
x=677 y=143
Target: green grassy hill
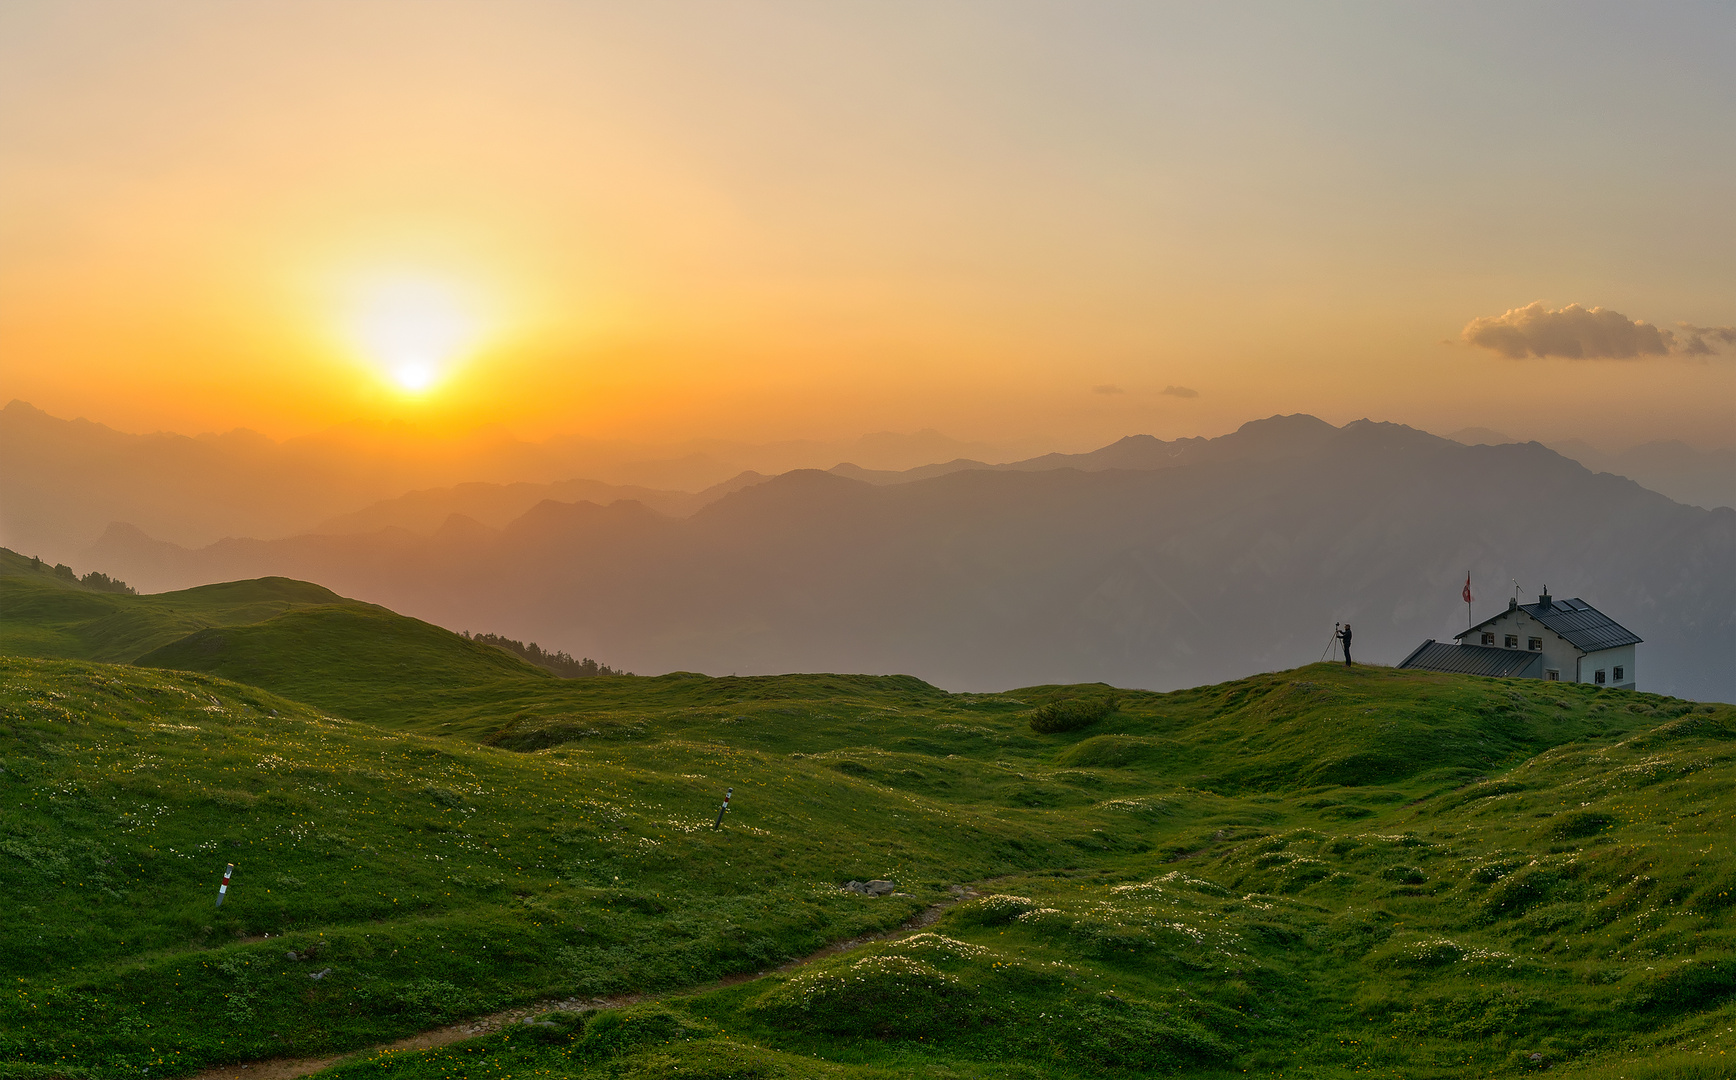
x=1310 y=873
x=45 y=615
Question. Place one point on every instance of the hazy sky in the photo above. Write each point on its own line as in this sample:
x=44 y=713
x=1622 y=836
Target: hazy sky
x=1069 y=221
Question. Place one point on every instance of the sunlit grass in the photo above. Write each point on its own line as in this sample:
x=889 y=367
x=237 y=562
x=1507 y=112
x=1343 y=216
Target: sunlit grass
x=1320 y=872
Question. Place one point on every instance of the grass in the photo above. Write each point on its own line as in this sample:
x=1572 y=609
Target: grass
x=1321 y=872
x=48 y=616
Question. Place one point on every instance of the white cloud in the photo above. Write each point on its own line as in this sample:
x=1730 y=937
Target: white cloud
x=1582 y=334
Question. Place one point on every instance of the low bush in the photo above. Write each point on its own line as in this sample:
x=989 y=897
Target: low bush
x=1070 y=714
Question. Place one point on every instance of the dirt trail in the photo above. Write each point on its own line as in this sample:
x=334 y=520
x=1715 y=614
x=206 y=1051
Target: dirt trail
x=289 y=1068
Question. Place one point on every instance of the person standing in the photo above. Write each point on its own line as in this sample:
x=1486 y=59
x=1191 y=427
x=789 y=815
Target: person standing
x=1344 y=636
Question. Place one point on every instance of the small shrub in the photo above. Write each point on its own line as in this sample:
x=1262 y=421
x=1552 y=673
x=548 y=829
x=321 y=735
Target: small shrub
x=1070 y=714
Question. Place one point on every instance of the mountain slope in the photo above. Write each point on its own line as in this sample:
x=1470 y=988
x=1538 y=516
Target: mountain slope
x=982 y=578
x=494 y=505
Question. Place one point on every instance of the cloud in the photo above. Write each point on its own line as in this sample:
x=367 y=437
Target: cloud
x=1579 y=334
x=1180 y=391
x=1694 y=338
x=1107 y=388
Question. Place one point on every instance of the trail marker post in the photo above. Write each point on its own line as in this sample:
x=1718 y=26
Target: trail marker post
x=724 y=809
x=224 y=888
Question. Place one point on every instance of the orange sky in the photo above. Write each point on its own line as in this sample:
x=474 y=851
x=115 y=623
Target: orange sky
x=779 y=220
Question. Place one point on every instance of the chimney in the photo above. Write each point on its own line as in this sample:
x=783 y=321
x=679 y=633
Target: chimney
x=1512 y=602
x=1543 y=599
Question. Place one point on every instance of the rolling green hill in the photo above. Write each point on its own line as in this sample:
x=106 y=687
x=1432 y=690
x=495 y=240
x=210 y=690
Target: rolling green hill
x=45 y=615
x=1320 y=872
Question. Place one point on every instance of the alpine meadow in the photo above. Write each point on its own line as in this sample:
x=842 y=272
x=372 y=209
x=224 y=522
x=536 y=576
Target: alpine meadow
x=893 y=540
x=1320 y=872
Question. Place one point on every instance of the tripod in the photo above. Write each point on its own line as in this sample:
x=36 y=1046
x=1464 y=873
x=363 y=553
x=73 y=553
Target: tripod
x=1331 y=644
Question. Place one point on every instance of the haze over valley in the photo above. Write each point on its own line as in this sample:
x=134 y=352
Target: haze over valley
x=1145 y=563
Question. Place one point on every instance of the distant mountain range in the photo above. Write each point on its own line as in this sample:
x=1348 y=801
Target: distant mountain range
x=65 y=481
x=1686 y=474
x=1148 y=563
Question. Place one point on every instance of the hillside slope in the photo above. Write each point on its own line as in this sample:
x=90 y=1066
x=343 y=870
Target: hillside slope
x=1360 y=871
x=47 y=616
x=373 y=664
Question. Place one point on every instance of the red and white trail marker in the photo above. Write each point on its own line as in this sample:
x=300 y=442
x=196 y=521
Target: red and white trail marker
x=223 y=888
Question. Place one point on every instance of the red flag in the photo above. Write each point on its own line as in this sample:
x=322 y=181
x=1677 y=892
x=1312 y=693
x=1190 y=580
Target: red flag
x=1467 y=588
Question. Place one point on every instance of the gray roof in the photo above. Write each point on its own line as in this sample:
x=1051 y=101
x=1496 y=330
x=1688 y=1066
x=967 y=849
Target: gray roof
x=1435 y=655
x=1583 y=626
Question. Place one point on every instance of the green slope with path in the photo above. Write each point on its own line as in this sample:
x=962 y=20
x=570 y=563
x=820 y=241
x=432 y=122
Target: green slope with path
x=1321 y=872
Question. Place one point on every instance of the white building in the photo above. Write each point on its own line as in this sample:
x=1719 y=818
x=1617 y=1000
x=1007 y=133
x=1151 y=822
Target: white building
x=1566 y=640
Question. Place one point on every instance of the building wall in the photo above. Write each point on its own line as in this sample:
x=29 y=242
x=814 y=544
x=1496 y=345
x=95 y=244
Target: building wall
x=1558 y=653
x=1608 y=660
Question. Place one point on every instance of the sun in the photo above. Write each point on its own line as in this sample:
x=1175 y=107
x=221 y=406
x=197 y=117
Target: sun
x=414 y=329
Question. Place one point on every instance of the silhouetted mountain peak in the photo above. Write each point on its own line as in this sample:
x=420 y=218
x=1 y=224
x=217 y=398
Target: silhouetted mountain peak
x=1278 y=436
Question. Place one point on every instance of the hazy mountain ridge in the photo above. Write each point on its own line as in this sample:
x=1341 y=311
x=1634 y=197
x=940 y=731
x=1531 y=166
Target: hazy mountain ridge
x=986 y=577
x=1705 y=478
x=1697 y=477
x=66 y=480
x=1257 y=440
x=494 y=505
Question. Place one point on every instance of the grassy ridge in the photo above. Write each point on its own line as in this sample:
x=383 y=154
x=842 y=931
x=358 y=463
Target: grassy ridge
x=1318 y=872
x=47 y=616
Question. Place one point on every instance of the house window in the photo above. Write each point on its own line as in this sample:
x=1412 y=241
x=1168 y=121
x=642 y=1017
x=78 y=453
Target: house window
x=1598 y=678
x=1534 y=644
x=1512 y=641
x=1488 y=639
x=1618 y=674
x=1552 y=675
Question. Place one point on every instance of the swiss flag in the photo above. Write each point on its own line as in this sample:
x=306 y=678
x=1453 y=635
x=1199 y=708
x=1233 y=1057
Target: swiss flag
x=1467 y=588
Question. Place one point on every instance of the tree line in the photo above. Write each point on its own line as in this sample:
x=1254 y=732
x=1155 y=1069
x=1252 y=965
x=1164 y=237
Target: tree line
x=94 y=580
x=560 y=663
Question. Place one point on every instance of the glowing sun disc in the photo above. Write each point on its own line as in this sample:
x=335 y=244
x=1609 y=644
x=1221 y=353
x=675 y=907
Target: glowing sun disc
x=414 y=328
x=415 y=376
